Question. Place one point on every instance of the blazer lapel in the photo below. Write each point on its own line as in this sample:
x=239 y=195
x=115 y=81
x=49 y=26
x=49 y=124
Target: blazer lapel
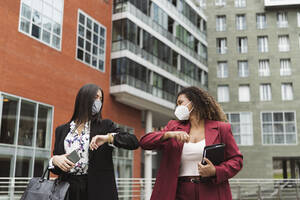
x=211 y=132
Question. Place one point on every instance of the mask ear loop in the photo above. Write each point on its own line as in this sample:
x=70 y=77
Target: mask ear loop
x=188 y=107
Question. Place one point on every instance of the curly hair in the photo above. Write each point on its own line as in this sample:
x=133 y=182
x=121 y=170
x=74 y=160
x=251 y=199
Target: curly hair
x=205 y=106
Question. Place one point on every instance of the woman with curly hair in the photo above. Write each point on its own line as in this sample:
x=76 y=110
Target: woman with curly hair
x=201 y=122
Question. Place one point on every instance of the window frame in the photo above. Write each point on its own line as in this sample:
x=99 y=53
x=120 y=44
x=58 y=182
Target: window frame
x=41 y=26
x=79 y=11
x=273 y=133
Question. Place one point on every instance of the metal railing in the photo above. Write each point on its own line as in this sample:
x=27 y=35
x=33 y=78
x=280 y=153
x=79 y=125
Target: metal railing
x=146 y=87
x=127 y=45
x=128 y=7
x=134 y=188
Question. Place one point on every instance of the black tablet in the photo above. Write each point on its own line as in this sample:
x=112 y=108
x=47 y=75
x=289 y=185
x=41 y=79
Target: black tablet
x=214 y=153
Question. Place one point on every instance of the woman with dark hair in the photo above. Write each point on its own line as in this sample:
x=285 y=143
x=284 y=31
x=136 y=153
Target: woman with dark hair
x=201 y=122
x=93 y=139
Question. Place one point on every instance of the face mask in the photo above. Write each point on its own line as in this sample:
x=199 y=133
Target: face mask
x=182 y=112
x=96 y=107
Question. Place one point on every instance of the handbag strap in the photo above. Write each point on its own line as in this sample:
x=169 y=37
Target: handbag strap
x=44 y=173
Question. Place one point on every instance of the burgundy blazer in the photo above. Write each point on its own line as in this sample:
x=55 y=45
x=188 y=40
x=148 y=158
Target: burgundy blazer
x=166 y=180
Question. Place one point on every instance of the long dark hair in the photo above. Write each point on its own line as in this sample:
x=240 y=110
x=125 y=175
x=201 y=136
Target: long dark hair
x=84 y=103
x=205 y=106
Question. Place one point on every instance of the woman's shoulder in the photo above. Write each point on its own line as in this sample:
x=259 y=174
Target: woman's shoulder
x=62 y=127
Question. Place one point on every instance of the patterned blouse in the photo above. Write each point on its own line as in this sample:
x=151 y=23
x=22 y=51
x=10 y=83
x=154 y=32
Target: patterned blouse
x=80 y=143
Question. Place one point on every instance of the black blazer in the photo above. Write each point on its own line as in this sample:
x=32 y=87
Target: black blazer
x=101 y=177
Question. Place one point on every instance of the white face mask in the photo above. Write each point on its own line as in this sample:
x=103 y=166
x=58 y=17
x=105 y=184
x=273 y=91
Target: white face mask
x=182 y=112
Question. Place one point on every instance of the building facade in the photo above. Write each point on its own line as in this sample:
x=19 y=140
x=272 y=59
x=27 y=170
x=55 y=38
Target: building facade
x=158 y=47
x=49 y=49
x=141 y=53
x=253 y=49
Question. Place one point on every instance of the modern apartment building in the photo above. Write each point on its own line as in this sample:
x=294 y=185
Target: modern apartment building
x=158 y=47
x=140 y=52
x=254 y=49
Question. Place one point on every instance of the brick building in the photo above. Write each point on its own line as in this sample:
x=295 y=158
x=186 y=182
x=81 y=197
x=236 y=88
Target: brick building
x=49 y=49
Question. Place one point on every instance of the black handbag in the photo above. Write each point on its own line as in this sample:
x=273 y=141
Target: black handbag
x=41 y=188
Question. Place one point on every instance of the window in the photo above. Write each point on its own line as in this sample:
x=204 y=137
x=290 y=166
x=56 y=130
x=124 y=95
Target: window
x=42 y=20
x=265 y=92
x=221 y=45
x=91 y=45
x=261 y=21
x=279 y=127
x=285 y=67
x=222 y=71
x=220 y=2
x=26 y=126
x=241 y=22
x=202 y=3
x=244 y=93
x=240 y=3
x=221 y=23
x=242 y=43
x=263 y=68
x=282 y=20
x=243 y=68
x=298 y=18
x=223 y=93
x=241 y=126
x=283 y=43
x=287 y=91
x=262 y=44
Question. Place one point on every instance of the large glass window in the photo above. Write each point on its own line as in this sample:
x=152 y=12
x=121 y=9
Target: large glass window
x=279 y=127
x=42 y=20
x=91 y=41
x=26 y=125
x=9 y=119
x=241 y=126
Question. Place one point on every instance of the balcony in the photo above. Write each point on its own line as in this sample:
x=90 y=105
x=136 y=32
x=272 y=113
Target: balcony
x=280 y=3
x=137 y=51
x=138 y=94
x=128 y=7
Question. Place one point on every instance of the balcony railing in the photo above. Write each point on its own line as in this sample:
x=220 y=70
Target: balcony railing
x=128 y=7
x=134 y=188
x=127 y=45
x=141 y=85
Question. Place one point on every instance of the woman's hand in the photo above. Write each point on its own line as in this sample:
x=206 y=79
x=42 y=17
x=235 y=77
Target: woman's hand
x=97 y=141
x=206 y=170
x=180 y=136
x=63 y=162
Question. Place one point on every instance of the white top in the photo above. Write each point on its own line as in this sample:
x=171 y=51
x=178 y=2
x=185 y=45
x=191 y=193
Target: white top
x=191 y=155
x=80 y=143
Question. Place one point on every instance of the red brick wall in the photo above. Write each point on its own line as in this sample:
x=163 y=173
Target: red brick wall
x=38 y=72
